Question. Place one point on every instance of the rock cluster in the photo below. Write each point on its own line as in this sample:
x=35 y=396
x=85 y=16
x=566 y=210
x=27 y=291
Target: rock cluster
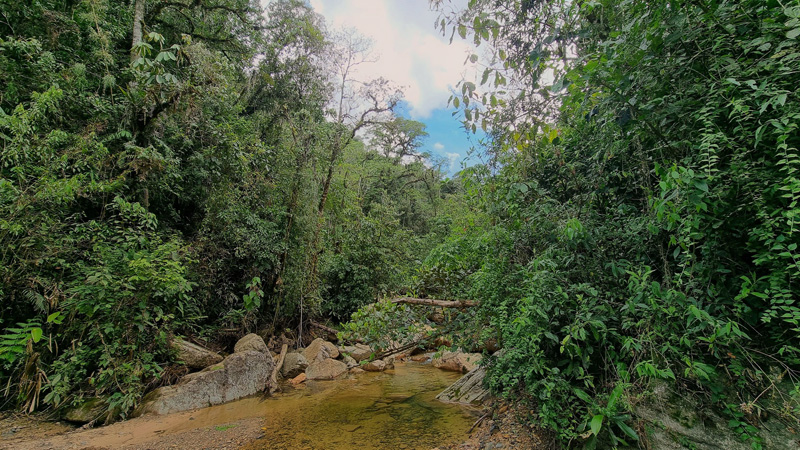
x=245 y=372
x=248 y=370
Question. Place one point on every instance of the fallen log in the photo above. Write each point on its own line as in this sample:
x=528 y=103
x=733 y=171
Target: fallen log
x=273 y=379
x=432 y=302
x=324 y=328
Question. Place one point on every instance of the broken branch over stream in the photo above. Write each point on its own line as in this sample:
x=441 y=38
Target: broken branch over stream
x=439 y=303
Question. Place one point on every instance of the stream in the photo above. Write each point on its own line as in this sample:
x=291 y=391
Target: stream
x=394 y=410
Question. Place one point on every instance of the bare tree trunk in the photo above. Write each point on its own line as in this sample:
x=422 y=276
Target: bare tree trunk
x=439 y=303
x=138 y=18
x=273 y=379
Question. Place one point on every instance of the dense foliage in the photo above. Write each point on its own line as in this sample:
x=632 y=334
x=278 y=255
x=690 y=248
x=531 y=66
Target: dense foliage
x=208 y=168
x=643 y=186
x=174 y=168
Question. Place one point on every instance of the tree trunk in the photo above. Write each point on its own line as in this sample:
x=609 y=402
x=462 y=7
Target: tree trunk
x=138 y=18
x=439 y=303
x=273 y=379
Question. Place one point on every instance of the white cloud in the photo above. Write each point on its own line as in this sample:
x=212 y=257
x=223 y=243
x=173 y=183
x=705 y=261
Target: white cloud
x=439 y=146
x=454 y=160
x=412 y=52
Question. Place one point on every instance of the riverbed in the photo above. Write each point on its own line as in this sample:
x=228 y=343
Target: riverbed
x=393 y=410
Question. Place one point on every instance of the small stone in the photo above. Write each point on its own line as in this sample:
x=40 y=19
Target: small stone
x=298 y=379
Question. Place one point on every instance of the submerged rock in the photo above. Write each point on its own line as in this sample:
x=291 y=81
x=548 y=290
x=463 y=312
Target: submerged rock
x=293 y=365
x=194 y=356
x=239 y=375
x=325 y=369
x=251 y=342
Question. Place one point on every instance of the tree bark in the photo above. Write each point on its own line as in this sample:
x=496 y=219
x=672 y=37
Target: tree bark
x=439 y=303
x=138 y=18
x=273 y=379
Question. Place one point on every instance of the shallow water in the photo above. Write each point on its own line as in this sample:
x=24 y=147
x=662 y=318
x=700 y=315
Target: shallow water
x=395 y=409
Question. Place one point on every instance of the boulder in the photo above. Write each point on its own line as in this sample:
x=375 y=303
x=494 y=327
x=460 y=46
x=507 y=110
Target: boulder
x=360 y=352
x=356 y=370
x=325 y=369
x=457 y=361
x=676 y=420
x=317 y=350
x=389 y=362
x=350 y=362
x=194 y=356
x=348 y=349
x=375 y=366
x=468 y=389
x=93 y=409
x=239 y=375
x=251 y=342
x=293 y=365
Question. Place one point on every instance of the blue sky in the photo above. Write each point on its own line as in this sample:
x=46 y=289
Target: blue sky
x=415 y=55
x=447 y=138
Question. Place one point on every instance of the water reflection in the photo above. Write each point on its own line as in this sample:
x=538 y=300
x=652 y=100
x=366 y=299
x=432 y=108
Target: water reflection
x=390 y=410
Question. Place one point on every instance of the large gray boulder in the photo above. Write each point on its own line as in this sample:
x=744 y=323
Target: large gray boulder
x=320 y=349
x=239 y=375
x=194 y=356
x=251 y=342
x=325 y=369
x=293 y=365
